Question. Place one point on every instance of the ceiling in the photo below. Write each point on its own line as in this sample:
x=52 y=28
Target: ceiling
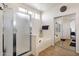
x=43 y=6
x=49 y=6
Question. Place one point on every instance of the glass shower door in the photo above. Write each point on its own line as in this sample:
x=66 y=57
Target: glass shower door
x=23 y=39
x=8 y=32
x=1 y=32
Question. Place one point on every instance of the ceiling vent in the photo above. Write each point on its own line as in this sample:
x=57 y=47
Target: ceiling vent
x=63 y=8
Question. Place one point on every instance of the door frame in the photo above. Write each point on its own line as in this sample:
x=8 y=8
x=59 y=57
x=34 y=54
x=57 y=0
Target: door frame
x=69 y=25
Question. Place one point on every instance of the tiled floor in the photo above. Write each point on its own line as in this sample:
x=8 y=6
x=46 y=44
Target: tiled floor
x=57 y=51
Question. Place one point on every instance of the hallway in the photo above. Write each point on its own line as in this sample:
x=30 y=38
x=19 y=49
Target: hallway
x=57 y=51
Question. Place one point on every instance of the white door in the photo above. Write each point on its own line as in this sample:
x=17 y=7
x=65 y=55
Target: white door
x=1 y=32
x=22 y=33
x=8 y=32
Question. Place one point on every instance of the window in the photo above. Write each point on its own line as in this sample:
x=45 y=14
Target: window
x=22 y=9
x=37 y=16
x=31 y=13
x=23 y=15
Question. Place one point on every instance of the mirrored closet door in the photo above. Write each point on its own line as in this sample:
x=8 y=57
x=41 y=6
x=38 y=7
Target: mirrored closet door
x=65 y=33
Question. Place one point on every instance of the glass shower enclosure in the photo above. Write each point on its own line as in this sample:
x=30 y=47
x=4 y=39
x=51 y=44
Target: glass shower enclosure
x=23 y=33
x=16 y=33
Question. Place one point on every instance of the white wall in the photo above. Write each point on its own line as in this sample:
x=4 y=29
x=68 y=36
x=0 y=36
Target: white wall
x=48 y=35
